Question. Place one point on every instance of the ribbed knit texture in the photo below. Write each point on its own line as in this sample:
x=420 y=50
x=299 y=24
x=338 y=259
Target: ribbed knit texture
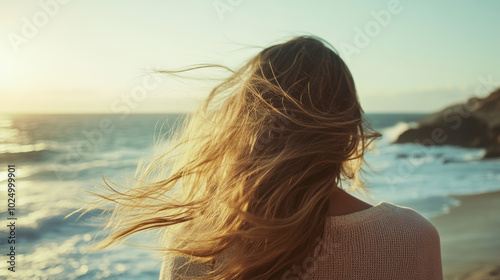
x=385 y=241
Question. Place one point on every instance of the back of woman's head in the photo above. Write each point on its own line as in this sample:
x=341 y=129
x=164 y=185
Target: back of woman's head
x=255 y=166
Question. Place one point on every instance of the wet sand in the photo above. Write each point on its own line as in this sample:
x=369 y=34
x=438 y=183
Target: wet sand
x=470 y=238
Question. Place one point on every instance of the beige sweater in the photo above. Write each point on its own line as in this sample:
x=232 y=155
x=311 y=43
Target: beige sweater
x=383 y=242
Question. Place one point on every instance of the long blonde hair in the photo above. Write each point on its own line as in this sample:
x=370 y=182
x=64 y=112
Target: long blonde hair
x=253 y=169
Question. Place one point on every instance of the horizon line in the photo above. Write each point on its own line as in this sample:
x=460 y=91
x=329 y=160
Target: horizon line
x=175 y=113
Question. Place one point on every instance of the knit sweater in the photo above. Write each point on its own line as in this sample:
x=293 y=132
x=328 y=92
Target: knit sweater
x=385 y=241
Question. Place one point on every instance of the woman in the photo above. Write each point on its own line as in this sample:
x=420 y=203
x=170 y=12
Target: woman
x=261 y=172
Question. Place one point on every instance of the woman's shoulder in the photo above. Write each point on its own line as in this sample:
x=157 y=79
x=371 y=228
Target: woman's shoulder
x=387 y=227
x=174 y=267
x=385 y=238
x=406 y=215
x=386 y=216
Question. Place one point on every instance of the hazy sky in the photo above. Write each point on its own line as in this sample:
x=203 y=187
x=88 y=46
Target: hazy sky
x=93 y=56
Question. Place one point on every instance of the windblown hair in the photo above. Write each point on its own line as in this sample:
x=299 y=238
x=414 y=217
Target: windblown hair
x=251 y=172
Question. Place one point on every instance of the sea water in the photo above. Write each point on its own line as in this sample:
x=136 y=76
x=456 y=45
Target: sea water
x=59 y=157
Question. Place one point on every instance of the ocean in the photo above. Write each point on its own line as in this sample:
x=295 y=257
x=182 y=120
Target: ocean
x=59 y=157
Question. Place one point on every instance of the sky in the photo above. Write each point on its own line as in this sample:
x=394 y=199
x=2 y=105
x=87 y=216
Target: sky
x=76 y=56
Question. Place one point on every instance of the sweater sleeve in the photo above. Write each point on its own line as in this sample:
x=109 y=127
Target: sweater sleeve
x=431 y=251
x=426 y=244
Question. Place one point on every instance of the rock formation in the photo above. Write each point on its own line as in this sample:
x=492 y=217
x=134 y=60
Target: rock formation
x=473 y=124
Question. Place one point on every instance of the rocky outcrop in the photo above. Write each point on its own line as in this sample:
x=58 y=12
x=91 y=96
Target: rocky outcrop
x=473 y=124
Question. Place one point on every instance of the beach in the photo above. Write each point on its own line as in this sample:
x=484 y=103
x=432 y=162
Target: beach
x=470 y=244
